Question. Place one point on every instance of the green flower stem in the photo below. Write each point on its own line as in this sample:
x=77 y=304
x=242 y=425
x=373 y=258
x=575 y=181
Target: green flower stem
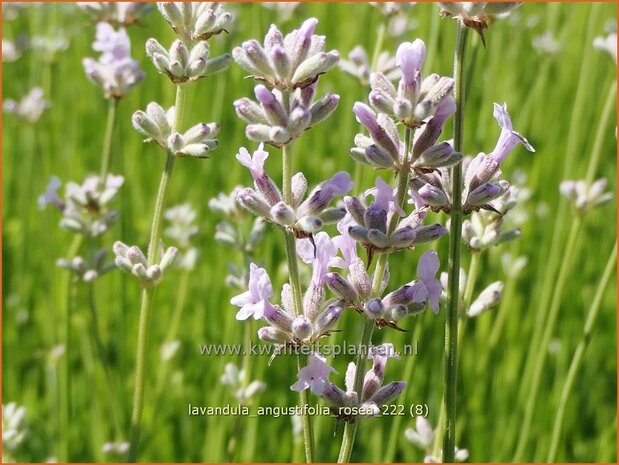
x=455 y=235
x=107 y=140
x=64 y=419
x=540 y=359
x=471 y=279
x=350 y=429
x=101 y=354
x=148 y=293
x=295 y=284
x=602 y=127
x=580 y=350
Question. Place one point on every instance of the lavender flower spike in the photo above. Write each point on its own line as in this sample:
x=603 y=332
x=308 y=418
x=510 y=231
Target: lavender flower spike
x=314 y=375
x=255 y=300
x=508 y=138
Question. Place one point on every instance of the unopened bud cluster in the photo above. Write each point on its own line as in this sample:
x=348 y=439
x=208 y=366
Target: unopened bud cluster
x=278 y=118
x=181 y=64
x=84 y=269
x=415 y=98
x=194 y=21
x=133 y=261
x=584 y=197
x=244 y=391
x=156 y=124
x=290 y=62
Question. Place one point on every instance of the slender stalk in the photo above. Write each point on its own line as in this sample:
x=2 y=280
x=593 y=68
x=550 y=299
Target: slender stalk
x=538 y=367
x=64 y=419
x=107 y=140
x=580 y=350
x=350 y=429
x=455 y=236
x=101 y=354
x=602 y=127
x=295 y=284
x=148 y=293
x=471 y=279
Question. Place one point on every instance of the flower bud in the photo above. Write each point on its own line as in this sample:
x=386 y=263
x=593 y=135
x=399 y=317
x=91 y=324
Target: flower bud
x=388 y=393
x=487 y=299
x=327 y=319
x=278 y=318
x=253 y=202
x=378 y=238
x=402 y=238
x=274 y=335
x=373 y=309
x=301 y=327
x=430 y=233
x=341 y=287
x=282 y=214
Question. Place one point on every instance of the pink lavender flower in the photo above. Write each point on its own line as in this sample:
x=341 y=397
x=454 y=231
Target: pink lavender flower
x=115 y=71
x=320 y=254
x=254 y=301
x=427 y=269
x=508 y=138
x=195 y=21
x=345 y=243
x=314 y=375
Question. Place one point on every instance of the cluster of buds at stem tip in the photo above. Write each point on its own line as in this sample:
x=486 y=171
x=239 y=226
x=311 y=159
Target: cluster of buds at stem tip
x=195 y=21
x=286 y=63
x=477 y=15
x=278 y=118
x=415 y=99
x=358 y=65
x=133 y=261
x=370 y=226
x=481 y=174
x=182 y=65
x=485 y=228
x=384 y=149
x=302 y=216
x=584 y=197
x=86 y=270
x=157 y=124
x=121 y=13
x=85 y=209
x=115 y=71
x=349 y=405
x=485 y=300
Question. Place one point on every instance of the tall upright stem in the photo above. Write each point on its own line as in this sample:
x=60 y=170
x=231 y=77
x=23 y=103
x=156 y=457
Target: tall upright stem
x=350 y=429
x=295 y=284
x=107 y=139
x=455 y=236
x=578 y=355
x=148 y=293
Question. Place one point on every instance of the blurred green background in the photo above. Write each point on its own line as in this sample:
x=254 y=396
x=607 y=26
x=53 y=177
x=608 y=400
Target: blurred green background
x=555 y=100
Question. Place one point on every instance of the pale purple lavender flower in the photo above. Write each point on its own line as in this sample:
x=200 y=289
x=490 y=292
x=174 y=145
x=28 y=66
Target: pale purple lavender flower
x=30 y=108
x=508 y=138
x=286 y=63
x=115 y=71
x=384 y=197
x=346 y=244
x=426 y=270
x=254 y=301
x=422 y=435
x=320 y=254
x=314 y=375
x=182 y=227
x=87 y=269
x=51 y=194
